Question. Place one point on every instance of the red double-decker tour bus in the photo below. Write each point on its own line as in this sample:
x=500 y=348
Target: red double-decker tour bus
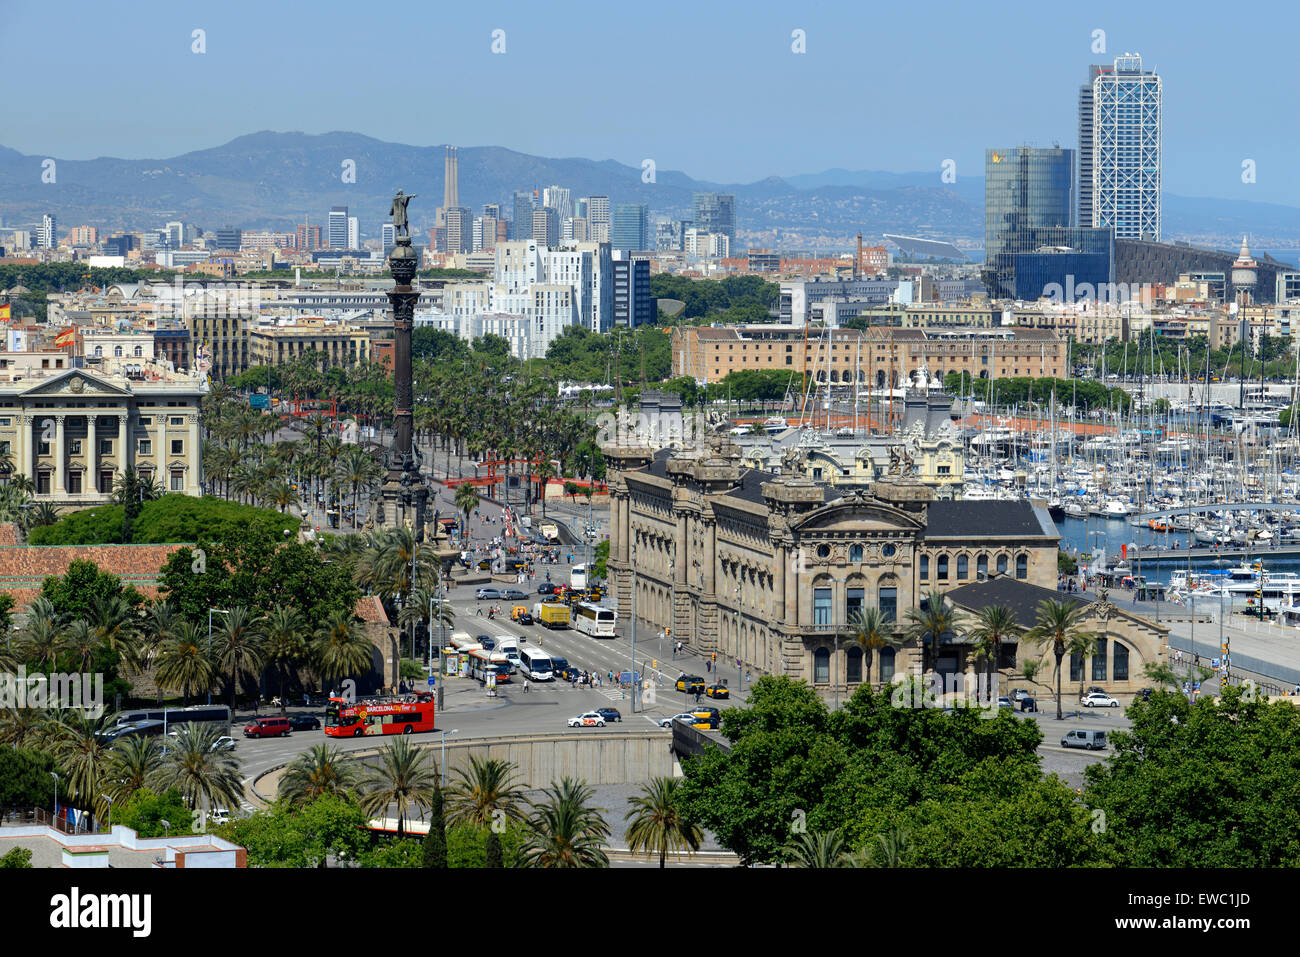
x=391 y=714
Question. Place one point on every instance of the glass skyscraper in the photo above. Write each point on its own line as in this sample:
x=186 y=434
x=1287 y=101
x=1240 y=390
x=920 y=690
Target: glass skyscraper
x=1119 y=127
x=1025 y=188
x=716 y=213
x=630 y=227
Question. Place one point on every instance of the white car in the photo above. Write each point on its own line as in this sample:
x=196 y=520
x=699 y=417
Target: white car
x=1019 y=695
x=684 y=716
x=1099 y=700
x=220 y=816
x=589 y=719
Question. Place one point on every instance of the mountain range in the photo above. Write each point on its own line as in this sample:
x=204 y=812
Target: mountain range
x=271 y=180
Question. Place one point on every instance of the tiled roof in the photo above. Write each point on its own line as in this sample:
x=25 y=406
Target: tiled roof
x=24 y=567
x=371 y=610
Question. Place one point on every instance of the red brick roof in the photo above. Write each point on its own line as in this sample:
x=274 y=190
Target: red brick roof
x=24 y=567
x=370 y=609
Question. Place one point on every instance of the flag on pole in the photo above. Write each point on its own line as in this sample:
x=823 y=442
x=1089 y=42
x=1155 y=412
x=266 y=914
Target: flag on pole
x=65 y=338
x=4 y=312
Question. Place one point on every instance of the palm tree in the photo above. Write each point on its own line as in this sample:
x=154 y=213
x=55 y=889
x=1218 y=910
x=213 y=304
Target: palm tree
x=872 y=631
x=928 y=625
x=466 y=502
x=1081 y=645
x=994 y=625
x=206 y=774
x=21 y=727
x=341 y=648
x=79 y=746
x=114 y=624
x=159 y=624
x=544 y=471
x=485 y=794
x=657 y=824
x=888 y=849
x=285 y=645
x=80 y=641
x=182 y=662
x=132 y=762
x=1057 y=626
x=564 y=830
x=321 y=770
x=45 y=513
x=239 y=645
x=39 y=640
x=402 y=778
x=820 y=849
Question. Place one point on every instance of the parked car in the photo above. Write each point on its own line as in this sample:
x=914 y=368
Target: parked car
x=1005 y=702
x=590 y=719
x=514 y=594
x=1028 y=704
x=609 y=714
x=690 y=684
x=1019 y=695
x=267 y=728
x=1099 y=699
x=220 y=815
x=304 y=722
x=1087 y=739
x=684 y=716
x=488 y=594
x=717 y=691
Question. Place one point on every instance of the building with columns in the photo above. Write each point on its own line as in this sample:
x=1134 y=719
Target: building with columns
x=769 y=568
x=74 y=432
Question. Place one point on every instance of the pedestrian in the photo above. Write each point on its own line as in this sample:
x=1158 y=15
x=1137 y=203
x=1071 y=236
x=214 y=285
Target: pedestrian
x=748 y=676
x=697 y=697
x=708 y=665
x=525 y=687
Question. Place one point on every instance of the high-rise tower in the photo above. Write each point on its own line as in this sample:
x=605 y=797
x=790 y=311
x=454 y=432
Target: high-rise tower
x=1124 y=177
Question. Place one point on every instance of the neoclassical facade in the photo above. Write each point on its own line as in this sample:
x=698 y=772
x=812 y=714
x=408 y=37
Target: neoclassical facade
x=74 y=432
x=769 y=568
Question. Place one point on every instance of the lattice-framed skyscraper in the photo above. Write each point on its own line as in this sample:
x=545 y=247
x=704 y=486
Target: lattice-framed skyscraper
x=1123 y=175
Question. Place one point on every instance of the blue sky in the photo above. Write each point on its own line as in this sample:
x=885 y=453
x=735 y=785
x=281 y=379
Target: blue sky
x=712 y=89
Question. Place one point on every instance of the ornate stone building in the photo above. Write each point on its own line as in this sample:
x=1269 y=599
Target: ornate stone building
x=74 y=432
x=769 y=568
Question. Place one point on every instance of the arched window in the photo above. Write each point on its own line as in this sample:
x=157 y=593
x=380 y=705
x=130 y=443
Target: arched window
x=99 y=351
x=1022 y=565
x=855 y=553
x=925 y=568
x=139 y=352
x=880 y=379
x=821 y=666
x=982 y=566
x=943 y=568
x=963 y=567
x=1002 y=564
x=886 y=664
x=117 y=352
x=1119 y=667
x=1099 y=661
x=853 y=666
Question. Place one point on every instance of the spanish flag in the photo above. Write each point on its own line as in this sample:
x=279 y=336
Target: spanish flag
x=4 y=313
x=65 y=338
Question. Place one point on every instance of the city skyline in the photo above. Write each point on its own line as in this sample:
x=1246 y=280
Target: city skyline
x=670 y=127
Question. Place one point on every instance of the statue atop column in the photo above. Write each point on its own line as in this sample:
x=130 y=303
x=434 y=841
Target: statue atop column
x=398 y=211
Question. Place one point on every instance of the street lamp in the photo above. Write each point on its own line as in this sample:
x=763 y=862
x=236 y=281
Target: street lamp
x=110 y=811
x=224 y=611
x=55 y=775
x=444 y=755
x=632 y=619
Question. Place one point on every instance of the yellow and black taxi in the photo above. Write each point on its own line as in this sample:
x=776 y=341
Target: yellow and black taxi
x=691 y=684
x=717 y=691
x=707 y=718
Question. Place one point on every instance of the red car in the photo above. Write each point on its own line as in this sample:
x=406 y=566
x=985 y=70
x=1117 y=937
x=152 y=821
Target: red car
x=267 y=728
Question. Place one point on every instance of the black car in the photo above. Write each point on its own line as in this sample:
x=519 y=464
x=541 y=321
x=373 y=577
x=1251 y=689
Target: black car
x=304 y=722
x=487 y=641
x=546 y=588
x=567 y=673
x=609 y=714
x=559 y=666
x=1028 y=704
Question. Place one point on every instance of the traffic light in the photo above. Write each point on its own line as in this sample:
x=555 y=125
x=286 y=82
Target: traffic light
x=715 y=656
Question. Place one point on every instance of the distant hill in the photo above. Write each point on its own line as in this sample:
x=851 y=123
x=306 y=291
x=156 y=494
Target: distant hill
x=271 y=180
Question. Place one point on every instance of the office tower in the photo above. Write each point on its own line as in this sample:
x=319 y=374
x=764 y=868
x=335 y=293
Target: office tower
x=388 y=236
x=492 y=209
x=716 y=213
x=598 y=218
x=1083 y=178
x=336 y=232
x=175 y=234
x=460 y=227
x=1123 y=139
x=48 y=234
x=1024 y=188
x=354 y=233
x=308 y=238
x=546 y=227
x=632 y=303
x=576 y=229
x=229 y=238
x=580 y=207
x=629 y=227
x=559 y=199
x=486 y=229
x=523 y=222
